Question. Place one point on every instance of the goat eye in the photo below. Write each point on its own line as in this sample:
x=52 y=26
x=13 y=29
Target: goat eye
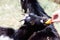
x=41 y=21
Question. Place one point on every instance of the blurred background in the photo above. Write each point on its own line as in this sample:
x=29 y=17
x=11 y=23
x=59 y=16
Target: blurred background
x=11 y=12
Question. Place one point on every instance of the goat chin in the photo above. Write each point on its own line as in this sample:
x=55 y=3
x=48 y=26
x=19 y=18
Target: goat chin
x=3 y=37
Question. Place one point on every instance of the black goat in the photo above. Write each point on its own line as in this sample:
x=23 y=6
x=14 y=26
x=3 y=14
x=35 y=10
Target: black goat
x=30 y=26
x=24 y=5
x=33 y=24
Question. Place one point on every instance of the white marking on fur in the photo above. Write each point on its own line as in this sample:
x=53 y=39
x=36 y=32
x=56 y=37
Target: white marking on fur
x=24 y=18
x=41 y=21
x=2 y=37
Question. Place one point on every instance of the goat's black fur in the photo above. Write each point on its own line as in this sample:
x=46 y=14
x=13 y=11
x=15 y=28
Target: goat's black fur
x=33 y=7
x=41 y=30
x=24 y=5
x=27 y=30
x=7 y=32
x=49 y=32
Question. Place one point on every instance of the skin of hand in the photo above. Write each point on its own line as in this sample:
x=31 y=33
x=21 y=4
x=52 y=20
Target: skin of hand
x=56 y=16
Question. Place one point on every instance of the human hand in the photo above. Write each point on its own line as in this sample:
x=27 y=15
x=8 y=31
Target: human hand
x=56 y=16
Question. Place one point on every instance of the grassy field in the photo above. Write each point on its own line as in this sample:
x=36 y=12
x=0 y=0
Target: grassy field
x=11 y=14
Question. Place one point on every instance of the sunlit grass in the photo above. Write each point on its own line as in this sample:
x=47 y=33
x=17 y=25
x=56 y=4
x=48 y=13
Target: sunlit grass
x=10 y=13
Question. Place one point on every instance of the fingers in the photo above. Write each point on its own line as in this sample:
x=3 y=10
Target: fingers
x=56 y=16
